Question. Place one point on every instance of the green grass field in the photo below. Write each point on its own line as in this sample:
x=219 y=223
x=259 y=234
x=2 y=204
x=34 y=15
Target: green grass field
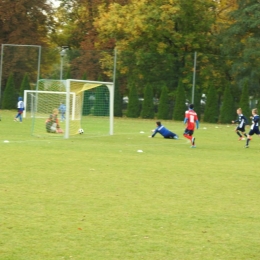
x=91 y=198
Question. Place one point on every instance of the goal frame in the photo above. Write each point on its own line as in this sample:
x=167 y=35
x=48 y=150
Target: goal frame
x=110 y=86
x=50 y=92
x=71 y=102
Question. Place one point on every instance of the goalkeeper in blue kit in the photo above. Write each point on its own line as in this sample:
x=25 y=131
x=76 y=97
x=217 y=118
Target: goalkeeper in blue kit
x=164 y=132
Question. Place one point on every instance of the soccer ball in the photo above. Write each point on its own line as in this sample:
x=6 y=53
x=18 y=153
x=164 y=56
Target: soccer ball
x=80 y=131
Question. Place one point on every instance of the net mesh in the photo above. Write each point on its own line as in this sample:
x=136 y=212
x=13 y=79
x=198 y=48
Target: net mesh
x=89 y=108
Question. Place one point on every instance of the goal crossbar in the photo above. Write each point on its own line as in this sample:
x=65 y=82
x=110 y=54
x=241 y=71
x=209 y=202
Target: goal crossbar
x=49 y=92
x=89 y=85
x=72 y=93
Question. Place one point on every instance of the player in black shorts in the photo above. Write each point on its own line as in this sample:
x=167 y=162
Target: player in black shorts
x=254 y=129
x=242 y=121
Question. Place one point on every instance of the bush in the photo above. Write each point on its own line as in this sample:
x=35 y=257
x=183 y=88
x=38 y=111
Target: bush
x=211 y=108
x=133 y=108
x=227 y=111
x=118 y=103
x=10 y=96
x=101 y=103
x=163 y=108
x=25 y=85
x=148 y=106
x=197 y=104
x=244 y=101
x=180 y=107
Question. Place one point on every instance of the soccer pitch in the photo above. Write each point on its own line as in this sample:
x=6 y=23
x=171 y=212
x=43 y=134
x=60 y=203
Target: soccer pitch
x=96 y=197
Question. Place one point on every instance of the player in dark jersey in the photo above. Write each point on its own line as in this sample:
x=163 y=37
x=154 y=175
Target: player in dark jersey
x=254 y=129
x=163 y=131
x=242 y=122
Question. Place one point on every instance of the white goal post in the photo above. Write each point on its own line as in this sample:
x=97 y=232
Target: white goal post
x=87 y=84
x=84 y=102
x=33 y=100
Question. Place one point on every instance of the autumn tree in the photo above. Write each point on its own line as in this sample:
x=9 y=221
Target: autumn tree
x=147 y=32
x=76 y=29
x=26 y=22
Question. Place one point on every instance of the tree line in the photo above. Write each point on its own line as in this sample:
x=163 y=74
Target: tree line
x=155 y=43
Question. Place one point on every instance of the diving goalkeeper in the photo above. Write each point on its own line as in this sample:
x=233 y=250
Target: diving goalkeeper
x=163 y=131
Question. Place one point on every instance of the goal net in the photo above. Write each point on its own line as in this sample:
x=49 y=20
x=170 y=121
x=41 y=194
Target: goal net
x=62 y=107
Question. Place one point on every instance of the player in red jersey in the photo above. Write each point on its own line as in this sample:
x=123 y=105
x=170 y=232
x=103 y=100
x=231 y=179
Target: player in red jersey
x=190 y=120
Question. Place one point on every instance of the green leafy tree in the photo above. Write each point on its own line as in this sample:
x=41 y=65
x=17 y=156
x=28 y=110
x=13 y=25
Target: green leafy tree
x=118 y=106
x=258 y=108
x=68 y=74
x=179 y=107
x=84 y=77
x=133 y=108
x=244 y=100
x=227 y=111
x=153 y=52
x=148 y=105
x=211 y=108
x=163 y=108
x=241 y=40
x=10 y=95
x=25 y=85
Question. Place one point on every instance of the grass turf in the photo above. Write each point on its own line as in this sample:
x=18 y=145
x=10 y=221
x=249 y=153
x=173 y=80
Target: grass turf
x=98 y=198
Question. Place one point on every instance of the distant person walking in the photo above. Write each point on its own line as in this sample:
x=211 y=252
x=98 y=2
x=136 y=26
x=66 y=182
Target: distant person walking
x=20 y=108
x=62 y=109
